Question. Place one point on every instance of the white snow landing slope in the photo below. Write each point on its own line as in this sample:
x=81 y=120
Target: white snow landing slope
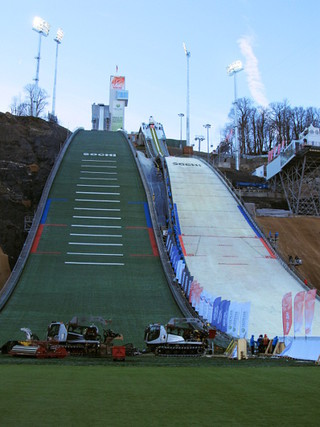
x=223 y=252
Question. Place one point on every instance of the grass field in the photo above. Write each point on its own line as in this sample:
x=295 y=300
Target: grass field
x=158 y=392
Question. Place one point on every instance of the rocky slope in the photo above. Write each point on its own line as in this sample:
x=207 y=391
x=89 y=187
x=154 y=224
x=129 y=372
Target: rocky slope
x=28 y=148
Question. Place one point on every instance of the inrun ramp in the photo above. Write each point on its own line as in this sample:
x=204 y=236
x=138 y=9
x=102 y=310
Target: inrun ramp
x=223 y=250
x=94 y=252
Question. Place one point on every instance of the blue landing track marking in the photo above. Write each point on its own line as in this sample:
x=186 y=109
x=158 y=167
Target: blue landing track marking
x=249 y=221
x=47 y=208
x=177 y=218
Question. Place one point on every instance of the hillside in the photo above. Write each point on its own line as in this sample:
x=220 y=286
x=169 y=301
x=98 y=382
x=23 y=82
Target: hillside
x=298 y=236
x=28 y=148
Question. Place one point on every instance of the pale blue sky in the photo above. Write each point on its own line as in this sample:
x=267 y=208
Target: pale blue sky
x=277 y=41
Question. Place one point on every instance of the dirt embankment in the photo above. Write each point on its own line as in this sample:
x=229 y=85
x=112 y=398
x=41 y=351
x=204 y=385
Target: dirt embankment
x=28 y=149
x=298 y=236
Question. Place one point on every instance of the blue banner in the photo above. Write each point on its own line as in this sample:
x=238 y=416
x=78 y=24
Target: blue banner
x=224 y=320
x=215 y=311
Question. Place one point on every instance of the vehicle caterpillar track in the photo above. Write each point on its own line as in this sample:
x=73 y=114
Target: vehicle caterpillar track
x=187 y=350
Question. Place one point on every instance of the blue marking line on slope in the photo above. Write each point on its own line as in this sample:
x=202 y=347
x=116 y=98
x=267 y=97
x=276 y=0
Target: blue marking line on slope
x=177 y=218
x=47 y=208
x=147 y=214
x=45 y=212
x=249 y=221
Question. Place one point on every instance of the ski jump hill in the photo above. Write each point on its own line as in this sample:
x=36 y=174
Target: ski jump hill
x=92 y=249
x=225 y=252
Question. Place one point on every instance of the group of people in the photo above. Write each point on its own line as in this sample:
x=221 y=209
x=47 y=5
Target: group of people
x=262 y=343
x=295 y=261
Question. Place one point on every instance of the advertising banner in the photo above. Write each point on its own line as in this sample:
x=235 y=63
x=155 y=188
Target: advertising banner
x=298 y=311
x=287 y=313
x=224 y=320
x=198 y=295
x=117 y=115
x=201 y=303
x=215 y=311
x=117 y=82
x=231 y=317
x=193 y=284
x=236 y=320
x=206 y=305
x=210 y=308
x=309 y=310
x=244 y=319
x=222 y=316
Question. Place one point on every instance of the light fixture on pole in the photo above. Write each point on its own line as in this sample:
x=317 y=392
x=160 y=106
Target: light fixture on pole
x=199 y=138
x=232 y=70
x=207 y=126
x=188 y=54
x=181 y=115
x=42 y=28
x=58 y=40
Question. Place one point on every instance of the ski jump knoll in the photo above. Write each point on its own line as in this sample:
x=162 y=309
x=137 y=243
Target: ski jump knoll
x=225 y=252
x=94 y=251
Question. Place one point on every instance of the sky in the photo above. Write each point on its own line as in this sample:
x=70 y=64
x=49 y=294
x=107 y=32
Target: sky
x=276 y=40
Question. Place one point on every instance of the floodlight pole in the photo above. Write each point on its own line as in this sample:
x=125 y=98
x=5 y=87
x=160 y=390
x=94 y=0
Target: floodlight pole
x=42 y=28
x=207 y=126
x=232 y=70
x=199 y=138
x=188 y=54
x=36 y=79
x=58 y=40
x=181 y=115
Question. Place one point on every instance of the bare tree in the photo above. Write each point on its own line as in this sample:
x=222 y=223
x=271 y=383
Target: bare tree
x=17 y=107
x=298 y=115
x=36 y=100
x=34 y=103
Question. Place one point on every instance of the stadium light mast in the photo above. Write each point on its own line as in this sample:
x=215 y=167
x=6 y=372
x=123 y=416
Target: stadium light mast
x=42 y=28
x=58 y=40
x=199 y=138
x=181 y=115
x=207 y=126
x=232 y=70
x=188 y=54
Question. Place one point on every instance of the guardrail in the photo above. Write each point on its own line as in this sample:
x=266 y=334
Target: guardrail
x=13 y=279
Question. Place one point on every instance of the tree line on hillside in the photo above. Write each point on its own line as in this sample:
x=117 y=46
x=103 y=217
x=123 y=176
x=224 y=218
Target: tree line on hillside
x=33 y=103
x=260 y=129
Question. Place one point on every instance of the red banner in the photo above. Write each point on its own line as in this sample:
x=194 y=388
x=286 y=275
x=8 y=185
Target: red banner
x=309 y=310
x=298 y=311
x=192 y=288
x=287 y=313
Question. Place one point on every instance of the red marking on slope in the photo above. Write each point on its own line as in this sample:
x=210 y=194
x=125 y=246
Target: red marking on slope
x=153 y=242
x=182 y=246
x=272 y=255
x=37 y=239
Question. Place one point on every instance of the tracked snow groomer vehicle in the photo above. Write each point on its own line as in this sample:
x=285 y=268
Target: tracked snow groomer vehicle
x=81 y=335
x=179 y=337
x=78 y=337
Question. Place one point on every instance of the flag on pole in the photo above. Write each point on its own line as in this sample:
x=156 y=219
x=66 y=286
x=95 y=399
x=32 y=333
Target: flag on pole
x=287 y=313
x=298 y=311
x=309 y=310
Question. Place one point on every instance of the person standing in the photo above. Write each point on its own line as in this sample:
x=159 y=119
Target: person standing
x=252 y=344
